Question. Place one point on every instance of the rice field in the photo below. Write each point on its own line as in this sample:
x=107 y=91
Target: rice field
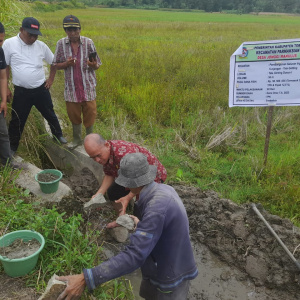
x=164 y=84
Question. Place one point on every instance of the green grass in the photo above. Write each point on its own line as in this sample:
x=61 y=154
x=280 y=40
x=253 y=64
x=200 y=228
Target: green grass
x=70 y=244
x=164 y=84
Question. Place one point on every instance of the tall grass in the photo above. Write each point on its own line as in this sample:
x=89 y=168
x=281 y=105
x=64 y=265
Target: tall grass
x=164 y=83
x=11 y=14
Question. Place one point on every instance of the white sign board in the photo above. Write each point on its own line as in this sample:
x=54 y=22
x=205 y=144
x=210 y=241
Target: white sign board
x=265 y=73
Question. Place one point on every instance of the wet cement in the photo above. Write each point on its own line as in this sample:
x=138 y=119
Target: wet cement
x=20 y=249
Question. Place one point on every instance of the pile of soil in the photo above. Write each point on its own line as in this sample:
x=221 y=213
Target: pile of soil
x=236 y=235
x=83 y=185
x=12 y=288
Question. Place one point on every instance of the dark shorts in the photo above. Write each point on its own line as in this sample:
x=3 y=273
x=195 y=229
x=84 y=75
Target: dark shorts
x=149 y=292
x=115 y=192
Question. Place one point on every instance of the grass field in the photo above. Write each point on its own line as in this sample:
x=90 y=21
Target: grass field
x=164 y=84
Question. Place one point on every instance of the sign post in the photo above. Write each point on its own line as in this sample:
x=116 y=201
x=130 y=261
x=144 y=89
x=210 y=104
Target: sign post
x=268 y=134
x=265 y=73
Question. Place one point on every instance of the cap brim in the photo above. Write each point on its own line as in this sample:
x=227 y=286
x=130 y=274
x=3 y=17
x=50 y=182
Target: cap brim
x=33 y=31
x=70 y=25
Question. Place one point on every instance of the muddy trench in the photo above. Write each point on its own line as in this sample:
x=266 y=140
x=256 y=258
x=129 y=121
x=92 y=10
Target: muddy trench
x=237 y=256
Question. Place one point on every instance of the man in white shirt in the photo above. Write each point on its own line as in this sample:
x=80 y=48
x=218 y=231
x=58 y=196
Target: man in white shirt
x=24 y=56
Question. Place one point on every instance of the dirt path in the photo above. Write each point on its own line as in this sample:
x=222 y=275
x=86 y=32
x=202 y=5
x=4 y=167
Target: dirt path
x=237 y=257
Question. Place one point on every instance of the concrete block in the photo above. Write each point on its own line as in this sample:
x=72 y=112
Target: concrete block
x=54 y=289
x=120 y=234
x=95 y=202
x=125 y=221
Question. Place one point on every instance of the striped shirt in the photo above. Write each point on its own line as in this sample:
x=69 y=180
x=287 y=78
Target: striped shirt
x=80 y=81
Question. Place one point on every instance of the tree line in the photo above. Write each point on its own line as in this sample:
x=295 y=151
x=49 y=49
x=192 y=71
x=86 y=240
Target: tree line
x=237 y=6
x=234 y=6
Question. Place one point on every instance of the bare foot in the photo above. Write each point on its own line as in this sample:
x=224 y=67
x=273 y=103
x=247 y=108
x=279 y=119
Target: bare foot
x=112 y=225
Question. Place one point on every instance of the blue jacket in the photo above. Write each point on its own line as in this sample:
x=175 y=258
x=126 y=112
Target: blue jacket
x=160 y=245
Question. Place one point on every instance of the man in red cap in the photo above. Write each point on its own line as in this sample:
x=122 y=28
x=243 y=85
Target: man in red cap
x=25 y=57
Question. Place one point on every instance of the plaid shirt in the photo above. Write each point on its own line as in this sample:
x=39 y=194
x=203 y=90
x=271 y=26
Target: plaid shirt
x=120 y=148
x=87 y=85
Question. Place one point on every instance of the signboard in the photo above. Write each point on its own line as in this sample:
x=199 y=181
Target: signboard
x=265 y=73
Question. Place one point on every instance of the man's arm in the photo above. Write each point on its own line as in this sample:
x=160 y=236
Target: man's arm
x=125 y=201
x=3 y=91
x=106 y=183
x=96 y=62
x=8 y=91
x=50 y=80
x=70 y=62
x=75 y=287
x=93 y=64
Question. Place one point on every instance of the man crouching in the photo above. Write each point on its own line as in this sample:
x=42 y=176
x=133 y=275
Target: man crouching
x=160 y=245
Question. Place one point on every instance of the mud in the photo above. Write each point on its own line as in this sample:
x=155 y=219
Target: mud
x=47 y=177
x=20 y=248
x=15 y=289
x=234 y=235
x=83 y=184
x=237 y=256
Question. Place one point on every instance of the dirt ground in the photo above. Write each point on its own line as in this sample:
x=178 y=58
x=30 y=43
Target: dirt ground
x=237 y=237
x=237 y=256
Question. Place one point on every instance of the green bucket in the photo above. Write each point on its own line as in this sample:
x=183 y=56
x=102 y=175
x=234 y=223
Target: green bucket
x=20 y=266
x=51 y=186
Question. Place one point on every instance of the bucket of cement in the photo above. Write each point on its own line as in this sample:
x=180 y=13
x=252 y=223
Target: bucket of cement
x=19 y=251
x=49 y=180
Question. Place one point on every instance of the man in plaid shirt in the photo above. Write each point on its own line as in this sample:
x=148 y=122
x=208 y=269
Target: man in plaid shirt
x=73 y=54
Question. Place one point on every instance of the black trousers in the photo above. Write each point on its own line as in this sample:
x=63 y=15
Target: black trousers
x=115 y=192
x=23 y=101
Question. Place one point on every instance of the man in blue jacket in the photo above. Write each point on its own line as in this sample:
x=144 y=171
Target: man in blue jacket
x=160 y=244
